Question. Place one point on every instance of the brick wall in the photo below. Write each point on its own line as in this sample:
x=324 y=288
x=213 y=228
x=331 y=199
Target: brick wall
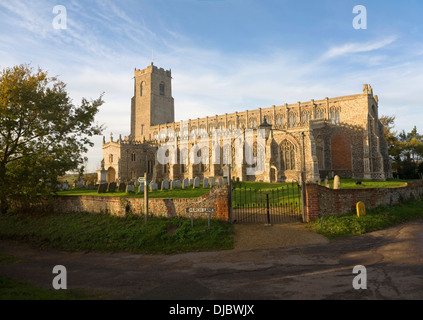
x=324 y=201
x=217 y=198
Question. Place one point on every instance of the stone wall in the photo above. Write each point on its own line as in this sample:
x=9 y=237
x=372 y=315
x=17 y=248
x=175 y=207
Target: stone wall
x=324 y=201
x=217 y=198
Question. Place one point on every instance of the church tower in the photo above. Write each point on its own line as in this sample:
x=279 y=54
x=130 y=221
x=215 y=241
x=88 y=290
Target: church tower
x=152 y=103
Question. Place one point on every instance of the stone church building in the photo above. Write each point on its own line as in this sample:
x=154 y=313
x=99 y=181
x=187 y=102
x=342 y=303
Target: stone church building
x=334 y=136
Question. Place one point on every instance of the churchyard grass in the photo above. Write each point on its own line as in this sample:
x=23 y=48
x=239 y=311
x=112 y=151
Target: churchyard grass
x=375 y=219
x=352 y=183
x=106 y=233
x=167 y=194
x=253 y=194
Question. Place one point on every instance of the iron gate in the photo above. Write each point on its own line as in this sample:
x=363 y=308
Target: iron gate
x=268 y=206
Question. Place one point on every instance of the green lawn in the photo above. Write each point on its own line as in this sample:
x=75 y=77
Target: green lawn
x=253 y=194
x=351 y=183
x=11 y=289
x=167 y=194
x=99 y=232
x=375 y=219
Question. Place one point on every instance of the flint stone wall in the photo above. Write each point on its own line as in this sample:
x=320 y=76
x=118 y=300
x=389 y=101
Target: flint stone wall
x=324 y=201
x=217 y=198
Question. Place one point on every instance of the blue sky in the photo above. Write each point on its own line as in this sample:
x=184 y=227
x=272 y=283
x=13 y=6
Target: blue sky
x=225 y=56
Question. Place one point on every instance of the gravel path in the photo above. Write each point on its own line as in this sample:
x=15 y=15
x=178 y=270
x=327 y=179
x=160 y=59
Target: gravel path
x=259 y=236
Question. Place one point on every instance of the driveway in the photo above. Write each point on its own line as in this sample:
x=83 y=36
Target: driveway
x=268 y=263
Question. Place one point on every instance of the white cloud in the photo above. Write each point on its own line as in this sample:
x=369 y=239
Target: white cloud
x=356 y=47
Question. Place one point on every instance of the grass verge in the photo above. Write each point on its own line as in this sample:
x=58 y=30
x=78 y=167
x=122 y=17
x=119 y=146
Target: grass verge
x=11 y=289
x=99 y=232
x=375 y=219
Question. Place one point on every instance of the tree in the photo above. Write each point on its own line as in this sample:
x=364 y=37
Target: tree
x=42 y=133
x=405 y=149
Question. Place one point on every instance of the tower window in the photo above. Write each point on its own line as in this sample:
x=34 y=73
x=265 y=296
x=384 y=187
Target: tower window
x=133 y=157
x=141 y=88
x=162 y=89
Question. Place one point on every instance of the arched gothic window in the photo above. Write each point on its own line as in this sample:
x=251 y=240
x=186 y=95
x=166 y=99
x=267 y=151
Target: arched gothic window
x=320 y=152
x=288 y=155
x=306 y=116
x=279 y=121
x=334 y=115
x=320 y=114
x=292 y=119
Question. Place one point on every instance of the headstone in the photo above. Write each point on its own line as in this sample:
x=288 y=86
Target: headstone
x=220 y=181
x=153 y=186
x=165 y=184
x=130 y=188
x=176 y=184
x=185 y=184
x=111 y=187
x=196 y=183
x=141 y=188
x=122 y=187
x=212 y=182
x=337 y=182
x=327 y=183
x=102 y=188
x=191 y=182
x=225 y=180
x=205 y=183
x=65 y=186
x=361 y=209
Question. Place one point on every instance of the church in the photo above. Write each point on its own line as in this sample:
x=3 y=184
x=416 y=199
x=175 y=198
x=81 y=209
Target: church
x=318 y=138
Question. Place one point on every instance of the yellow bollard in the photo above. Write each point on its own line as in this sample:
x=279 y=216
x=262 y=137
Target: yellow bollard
x=361 y=209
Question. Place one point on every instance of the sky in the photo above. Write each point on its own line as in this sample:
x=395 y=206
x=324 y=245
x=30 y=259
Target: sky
x=225 y=55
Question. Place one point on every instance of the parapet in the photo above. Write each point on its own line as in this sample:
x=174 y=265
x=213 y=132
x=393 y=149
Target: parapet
x=153 y=69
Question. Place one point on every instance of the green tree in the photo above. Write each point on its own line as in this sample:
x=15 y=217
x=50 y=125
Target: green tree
x=405 y=149
x=42 y=133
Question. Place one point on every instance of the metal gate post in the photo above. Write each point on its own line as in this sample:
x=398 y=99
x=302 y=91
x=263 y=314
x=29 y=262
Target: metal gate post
x=268 y=210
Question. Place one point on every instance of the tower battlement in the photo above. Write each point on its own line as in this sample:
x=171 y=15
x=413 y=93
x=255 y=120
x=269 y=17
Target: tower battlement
x=153 y=69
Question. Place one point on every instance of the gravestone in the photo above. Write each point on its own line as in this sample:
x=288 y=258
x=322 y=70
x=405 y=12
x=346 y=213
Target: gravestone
x=220 y=181
x=196 y=183
x=185 y=184
x=191 y=182
x=176 y=184
x=165 y=185
x=361 y=209
x=141 y=187
x=327 y=183
x=111 y=187
x=205 y=183
x=130 y=188
x=212 y=182
x=337 y=182
x=153 y=186
x=102 y=188
x=65 y=186
x=122 y=187
x=225 y=180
